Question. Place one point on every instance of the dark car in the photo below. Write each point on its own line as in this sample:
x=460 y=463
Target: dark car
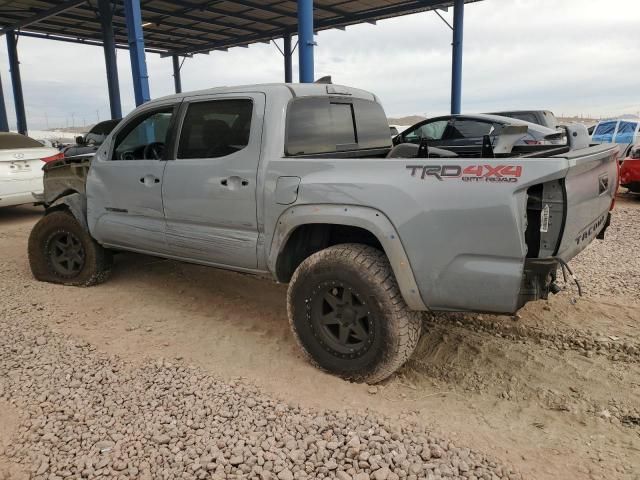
x=89 y=143
x=541 y=117
x=463 y=134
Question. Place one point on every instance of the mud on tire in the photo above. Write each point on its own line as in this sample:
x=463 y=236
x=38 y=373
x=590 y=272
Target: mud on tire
x=348 y=316
x=62 y=251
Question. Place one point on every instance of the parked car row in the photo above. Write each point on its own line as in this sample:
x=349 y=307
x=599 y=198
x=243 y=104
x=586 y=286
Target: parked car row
x=624 y=132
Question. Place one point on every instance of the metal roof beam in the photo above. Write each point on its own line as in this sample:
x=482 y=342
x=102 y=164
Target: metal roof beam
x=239 y=15
x=320 y=24
x=89 y=41
x=63 y=7
x=84 y=31
x=268 y=8
x=165 y=16
x=286 y=13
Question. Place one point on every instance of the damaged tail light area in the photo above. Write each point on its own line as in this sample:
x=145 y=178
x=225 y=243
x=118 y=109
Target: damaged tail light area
x=545 y=218
x=546 y=209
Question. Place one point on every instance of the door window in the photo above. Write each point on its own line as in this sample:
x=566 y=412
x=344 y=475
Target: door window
x=427 y=131
x=462 y=129
x=604 y=132
x=215 y=128
x=626 y=132
x=145 y=137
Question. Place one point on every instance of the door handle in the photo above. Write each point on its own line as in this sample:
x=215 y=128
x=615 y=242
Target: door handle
x=234 y=182
x=149 y=180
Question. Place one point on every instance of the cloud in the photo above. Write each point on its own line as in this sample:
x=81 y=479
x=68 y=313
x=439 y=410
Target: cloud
x=570 y=56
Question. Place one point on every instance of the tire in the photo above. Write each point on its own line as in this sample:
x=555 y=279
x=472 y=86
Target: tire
x=348 y=315
x=62 y=251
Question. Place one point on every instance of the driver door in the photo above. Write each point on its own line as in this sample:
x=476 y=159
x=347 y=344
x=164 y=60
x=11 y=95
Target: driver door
x=124 y=185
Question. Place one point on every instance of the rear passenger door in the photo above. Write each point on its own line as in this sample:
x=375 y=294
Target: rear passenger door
x=209 y=189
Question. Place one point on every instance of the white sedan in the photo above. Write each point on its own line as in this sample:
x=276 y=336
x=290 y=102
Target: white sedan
x=21 y=161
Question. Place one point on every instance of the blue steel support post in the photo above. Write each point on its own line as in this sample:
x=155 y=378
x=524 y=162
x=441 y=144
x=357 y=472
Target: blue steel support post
x=456 y=60
x=177 y=80
x=136 y=51
x=109 y=45
x=288 y=70
x=16 y=82
x=4 y=123
x=305 y=40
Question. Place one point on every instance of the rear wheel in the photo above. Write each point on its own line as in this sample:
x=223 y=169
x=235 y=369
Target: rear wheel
x=62 y=251
x=347 y=313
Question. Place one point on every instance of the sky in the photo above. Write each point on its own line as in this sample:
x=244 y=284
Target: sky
x=574 y=57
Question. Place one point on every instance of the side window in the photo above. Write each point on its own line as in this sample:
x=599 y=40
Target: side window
x=215 y=128
x=469 y=129
x=144 y=138
x=604 y=132
x=626 y=132
x=428 y=131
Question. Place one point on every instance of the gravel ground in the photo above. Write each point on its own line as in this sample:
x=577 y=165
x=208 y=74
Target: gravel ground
x=612 y=266
x=90 y=415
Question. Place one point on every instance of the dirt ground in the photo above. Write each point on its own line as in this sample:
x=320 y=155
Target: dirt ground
x=554 y=390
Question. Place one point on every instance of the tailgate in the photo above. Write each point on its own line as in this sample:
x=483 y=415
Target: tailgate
x=591 y=183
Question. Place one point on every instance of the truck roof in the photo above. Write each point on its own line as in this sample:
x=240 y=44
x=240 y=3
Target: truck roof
x=294 y=89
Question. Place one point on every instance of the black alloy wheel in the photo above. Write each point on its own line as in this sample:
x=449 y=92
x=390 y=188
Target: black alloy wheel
x=66 y=254
x=341 y=320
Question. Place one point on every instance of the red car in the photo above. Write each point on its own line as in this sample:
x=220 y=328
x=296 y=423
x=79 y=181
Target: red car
x=630 y=171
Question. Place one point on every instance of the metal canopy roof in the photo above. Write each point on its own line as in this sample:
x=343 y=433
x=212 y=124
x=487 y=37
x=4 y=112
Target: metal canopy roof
x=184 y=27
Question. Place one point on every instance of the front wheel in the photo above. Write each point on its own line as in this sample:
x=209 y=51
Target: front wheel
x=62 y=251
x=348 y=315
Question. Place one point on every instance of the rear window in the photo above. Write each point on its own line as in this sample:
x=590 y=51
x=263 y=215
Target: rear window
x=10 y=141
x=526 y=117
x=327 y=124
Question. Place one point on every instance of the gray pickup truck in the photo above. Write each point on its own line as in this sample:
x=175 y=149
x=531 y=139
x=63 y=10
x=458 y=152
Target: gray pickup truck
x=301 y=183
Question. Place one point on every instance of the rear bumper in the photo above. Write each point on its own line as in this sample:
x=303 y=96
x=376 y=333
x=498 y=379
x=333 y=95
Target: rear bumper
x=16 y=199
x=20 y=191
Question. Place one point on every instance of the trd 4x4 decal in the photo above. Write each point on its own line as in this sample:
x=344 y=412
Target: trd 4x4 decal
x=469 y=173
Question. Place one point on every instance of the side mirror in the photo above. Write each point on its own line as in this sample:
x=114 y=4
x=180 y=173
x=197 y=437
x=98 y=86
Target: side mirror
x=397 y=139
x=80 y=140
